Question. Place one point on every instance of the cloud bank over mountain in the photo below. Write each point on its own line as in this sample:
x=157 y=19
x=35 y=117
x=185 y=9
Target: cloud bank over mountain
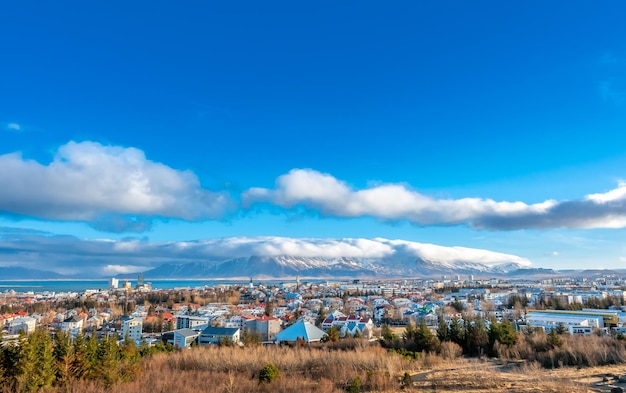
x=68 y=254
x=332 y=197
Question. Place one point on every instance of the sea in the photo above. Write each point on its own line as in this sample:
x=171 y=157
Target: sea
x=40 y=286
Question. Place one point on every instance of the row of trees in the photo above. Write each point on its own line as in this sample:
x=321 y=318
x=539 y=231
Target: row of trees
x=472 y=336
x=469 y=333
x=39 y=361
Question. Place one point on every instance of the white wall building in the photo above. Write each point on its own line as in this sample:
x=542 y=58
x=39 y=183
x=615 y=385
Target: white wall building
x=27 y=324
x=131 y=327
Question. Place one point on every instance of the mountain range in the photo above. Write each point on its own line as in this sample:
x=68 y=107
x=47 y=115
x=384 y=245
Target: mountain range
x=279 y=258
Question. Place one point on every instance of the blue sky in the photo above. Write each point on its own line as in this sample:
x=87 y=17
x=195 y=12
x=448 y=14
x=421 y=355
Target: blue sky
x=494 y=125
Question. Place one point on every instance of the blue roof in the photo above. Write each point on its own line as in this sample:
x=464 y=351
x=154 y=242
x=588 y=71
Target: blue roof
x=219 y=331
x=301 y=329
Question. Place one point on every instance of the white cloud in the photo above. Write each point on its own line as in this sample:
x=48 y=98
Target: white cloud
x=112 y=187
x=13 y=127
x=113 y=270
x=393 y=202
x=235 y=247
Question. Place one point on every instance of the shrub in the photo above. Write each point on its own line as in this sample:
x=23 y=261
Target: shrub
x=355 y=386
x=268 y=373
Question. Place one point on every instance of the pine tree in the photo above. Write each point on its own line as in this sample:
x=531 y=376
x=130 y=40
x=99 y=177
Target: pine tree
x=476 y=336
x=443 y=330
x=420 y=339
x=35 y=366
x=47 y=365
x=91 y=358
x=332 y=334
x=553 y=339
x=457 y=331
x=79 y=361
x=64 y=357
x=108 y=355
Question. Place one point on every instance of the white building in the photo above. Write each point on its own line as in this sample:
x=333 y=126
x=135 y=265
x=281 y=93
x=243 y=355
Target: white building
x=131 y=327
x=27 y=324
x=191 y=322
x=72 y=324
x=215 y=335
x=183 y=338
x=575 y=324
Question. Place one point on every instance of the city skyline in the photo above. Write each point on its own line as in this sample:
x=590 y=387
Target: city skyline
x=491 y=126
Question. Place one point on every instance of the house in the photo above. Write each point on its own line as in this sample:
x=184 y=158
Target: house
x=132 y=327
x=191 y=322
x=350 y=325
x=266 y=327
x=72 y=325
x=183 y=338
x=27 y=324
x=215 y=335
x=94 y=322
x=300 y=330
x=330 y=319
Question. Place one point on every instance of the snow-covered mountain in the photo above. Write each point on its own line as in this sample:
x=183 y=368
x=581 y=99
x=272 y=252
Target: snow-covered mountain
x=276 y=257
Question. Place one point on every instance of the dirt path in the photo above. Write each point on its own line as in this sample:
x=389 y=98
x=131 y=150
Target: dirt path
x=490 y=376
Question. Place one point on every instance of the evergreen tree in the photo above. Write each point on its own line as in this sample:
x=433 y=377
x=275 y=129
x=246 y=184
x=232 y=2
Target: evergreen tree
x=420 y=339
x=561 y=329
x=129 y=351
x=553 y=339
x=36 y=366
x=443 y=330
x=79 y=362
x=47 y=364
x=457 y=305
x=387 y=334
x=9 y=358
x=64 y=357
x=91 y=364
x=332 y=334
x=457 y=331
x=502 y=332
x=108 y=356
x=508 y=335
x=476 y=336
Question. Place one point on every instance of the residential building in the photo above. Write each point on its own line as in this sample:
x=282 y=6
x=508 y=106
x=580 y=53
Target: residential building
x=27 y=324
x=132 y=327
x=183 y=338
x=215 y=335
x=266 y=327
x=191 y=322
x=72 y=324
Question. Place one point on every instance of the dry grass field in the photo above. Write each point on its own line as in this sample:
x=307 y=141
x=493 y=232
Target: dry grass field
x=491 y=376
x=328 y=369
